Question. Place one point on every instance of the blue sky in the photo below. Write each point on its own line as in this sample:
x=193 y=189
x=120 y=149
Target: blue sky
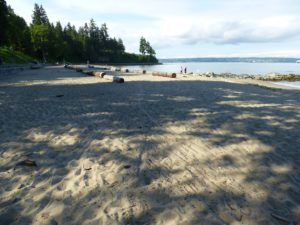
x=189 y=28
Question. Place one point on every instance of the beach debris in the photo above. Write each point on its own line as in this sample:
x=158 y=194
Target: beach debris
x=59 y=96
x=87 y=164
x=27 y=162
x=281 y=218
x=170 y=75
x=88 y=72
x=117 y=79
x=99 y=74
x=45 y=215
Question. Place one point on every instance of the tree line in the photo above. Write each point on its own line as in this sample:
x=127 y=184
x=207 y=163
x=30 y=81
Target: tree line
x=50 y=42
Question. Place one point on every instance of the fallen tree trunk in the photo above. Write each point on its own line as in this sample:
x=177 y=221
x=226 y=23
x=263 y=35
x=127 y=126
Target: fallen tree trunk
x=88 y=72
x=170 y=75
x=115 y=79
x=99 y=74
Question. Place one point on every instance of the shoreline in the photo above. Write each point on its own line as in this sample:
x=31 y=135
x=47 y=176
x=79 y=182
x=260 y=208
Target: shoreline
x=274 y=77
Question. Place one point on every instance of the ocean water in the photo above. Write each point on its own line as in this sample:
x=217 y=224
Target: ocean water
x=236 y=68
x=295 y=84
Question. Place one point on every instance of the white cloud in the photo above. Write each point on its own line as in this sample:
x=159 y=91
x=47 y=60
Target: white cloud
x=177 y=24
x=273 y=29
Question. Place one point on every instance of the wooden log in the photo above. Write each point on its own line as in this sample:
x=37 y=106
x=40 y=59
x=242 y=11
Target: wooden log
x=170 y=75
x=99 y=74
x=88 y=72
x=115 y=79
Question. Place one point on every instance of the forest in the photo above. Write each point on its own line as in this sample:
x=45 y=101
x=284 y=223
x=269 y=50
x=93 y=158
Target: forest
x=50 y=43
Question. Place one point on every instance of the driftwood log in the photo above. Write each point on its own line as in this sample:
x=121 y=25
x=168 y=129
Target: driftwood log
x=115 y=79
x=88 y=72
x=170 y=75
x=99 y=74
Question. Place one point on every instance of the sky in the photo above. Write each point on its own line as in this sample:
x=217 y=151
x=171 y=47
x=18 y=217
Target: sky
x=187 y=28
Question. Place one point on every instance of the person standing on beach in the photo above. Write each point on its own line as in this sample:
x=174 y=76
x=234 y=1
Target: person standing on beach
x=181 y=70
x=185 y=69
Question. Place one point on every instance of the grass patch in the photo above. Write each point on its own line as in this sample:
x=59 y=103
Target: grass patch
x=14 y=57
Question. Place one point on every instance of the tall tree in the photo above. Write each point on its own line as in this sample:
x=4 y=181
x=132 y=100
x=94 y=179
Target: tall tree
x=3 y=22
x=47 y=41
x=149 y=50
x=18 y=33
x=145 y=47
x=121 y=45
x=143 y=44
x=39 y=16
x=41 y=32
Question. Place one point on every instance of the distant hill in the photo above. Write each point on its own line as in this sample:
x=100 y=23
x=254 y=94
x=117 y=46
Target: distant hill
x=232 y=59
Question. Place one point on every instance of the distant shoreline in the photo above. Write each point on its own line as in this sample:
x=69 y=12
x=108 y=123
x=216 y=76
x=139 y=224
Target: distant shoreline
x=130 y=64
x=231 y=60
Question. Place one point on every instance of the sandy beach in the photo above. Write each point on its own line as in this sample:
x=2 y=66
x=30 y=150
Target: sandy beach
x=152 y=150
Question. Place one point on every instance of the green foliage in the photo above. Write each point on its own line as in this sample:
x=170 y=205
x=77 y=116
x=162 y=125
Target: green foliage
x=39 y=16
x=3 y=22
x=18 y=33
x=10 y=56
x=145 y=47
x=53 y=43
x=40 y=37
x=143 y=44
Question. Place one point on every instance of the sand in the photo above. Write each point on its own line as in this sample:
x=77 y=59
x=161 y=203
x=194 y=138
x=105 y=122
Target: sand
x=150 y=151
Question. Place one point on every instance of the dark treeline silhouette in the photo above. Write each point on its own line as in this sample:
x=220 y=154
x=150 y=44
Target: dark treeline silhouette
x=50 y=42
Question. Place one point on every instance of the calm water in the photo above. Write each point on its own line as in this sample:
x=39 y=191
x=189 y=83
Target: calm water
x=291 y=84
x=236 y=68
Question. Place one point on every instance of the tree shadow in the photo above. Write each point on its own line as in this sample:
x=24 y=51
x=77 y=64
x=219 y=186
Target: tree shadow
x=149 y=152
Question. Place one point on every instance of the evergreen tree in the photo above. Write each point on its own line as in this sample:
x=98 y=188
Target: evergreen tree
x=39 y=16
x=47 y=41
x=145 y=47
x=18 y=33
x=143 y=44
x=41 y=33
x=3 y=22
x=121 y=46
x=150 y=51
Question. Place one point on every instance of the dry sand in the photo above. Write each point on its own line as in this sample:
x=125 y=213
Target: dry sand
x=150 y=151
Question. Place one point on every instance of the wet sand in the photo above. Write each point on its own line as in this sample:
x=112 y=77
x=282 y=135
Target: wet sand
x=153 y=150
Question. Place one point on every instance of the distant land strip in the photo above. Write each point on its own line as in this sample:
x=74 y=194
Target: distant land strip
x=233 y=59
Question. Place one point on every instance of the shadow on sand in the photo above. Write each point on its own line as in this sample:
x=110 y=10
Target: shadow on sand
x=178 y=152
